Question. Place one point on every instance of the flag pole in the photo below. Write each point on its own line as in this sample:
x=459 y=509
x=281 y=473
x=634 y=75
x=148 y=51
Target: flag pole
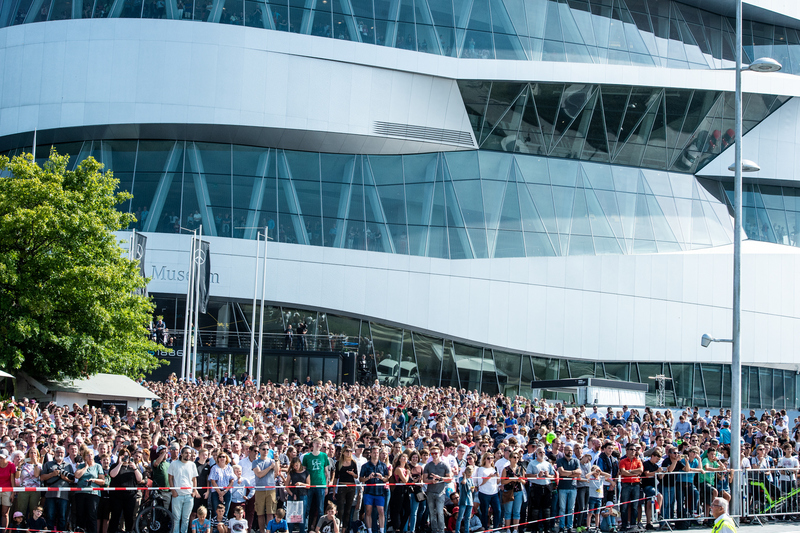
x=198 y=248
x=187 y=312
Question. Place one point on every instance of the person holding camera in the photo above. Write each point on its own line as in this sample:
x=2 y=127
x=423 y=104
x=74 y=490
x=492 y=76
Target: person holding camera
x=124 y=473
x=88 y=475
x=55 y=473
x=374 y=475
x=436 y=474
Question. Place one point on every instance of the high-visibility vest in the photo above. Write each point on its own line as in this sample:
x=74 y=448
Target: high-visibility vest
x=726 y=525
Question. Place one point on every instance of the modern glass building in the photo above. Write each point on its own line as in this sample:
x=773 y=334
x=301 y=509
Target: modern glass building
x=481 y=193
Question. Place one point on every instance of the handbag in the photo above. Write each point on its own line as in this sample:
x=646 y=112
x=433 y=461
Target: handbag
x=294 y=511
x=420 y=496
x=508 y=496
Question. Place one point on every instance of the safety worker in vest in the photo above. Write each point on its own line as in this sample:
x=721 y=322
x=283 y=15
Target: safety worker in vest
x=723 y=523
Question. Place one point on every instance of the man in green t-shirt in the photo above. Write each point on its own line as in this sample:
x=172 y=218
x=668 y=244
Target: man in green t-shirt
x=319 y=468
x=708 y=480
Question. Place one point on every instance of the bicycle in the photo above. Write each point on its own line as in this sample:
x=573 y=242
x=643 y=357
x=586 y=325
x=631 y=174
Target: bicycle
x=154 y=516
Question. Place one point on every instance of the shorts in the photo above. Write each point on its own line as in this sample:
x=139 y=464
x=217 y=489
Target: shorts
x=6 y=500
x=266 y=502
x=649 y=492
x=373 y=500
x=595 y=504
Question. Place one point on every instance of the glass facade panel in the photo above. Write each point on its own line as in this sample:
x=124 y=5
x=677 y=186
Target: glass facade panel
x=637 y=126
x=475 y=204
x=437 y=361
x=429 y=352
x=387 y=342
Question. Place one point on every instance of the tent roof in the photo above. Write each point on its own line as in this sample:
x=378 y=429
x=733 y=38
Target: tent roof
x=111 y=385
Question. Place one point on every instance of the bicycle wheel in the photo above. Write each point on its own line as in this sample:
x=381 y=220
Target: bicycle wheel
x=155 y=520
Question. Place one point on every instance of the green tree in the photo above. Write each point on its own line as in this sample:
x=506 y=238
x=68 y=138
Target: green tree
x=67 y=307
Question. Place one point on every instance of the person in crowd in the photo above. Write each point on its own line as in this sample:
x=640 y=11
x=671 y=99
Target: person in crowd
x=437 y=475
x=315 y=436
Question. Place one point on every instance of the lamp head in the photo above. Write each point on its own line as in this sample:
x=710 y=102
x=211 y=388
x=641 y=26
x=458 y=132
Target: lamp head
x=705 y=341
x=765 y=64
x=747 y=166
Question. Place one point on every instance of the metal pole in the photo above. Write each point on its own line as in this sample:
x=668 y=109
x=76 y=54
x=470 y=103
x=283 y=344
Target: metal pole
x=196 y=309
x=736 y=363
x=255 y=294
x=263 y=295
x=187 y=312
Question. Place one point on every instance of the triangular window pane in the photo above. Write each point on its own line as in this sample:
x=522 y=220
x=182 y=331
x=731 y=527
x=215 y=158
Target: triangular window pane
x=627 y=210
x=538 y=245
x=543 y=200
x=510 y=217
x=700 y=237
x=608 y=201
x=548 y=99
x=530 y=139
x=661 y=228
x=493 y=194
x=615 y=101
x=580 y=215
x=573 y=121
x=480 y=19
x=643 y=229
x=530 y=217
x=597 y=218
x=563 y=198
x=595 y=148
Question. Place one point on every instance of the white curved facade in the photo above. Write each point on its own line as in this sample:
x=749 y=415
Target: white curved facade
x=557 y=241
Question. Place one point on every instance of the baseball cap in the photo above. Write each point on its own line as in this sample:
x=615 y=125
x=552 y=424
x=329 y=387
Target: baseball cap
x=18 y=515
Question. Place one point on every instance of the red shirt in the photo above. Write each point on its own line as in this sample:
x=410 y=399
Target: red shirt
x=630 y=464
x=7 y=474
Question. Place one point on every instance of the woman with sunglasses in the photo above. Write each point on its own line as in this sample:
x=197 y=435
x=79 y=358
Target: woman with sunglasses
x=346 y=474
x=416 y=464
x=513 y=485
x=488 y=494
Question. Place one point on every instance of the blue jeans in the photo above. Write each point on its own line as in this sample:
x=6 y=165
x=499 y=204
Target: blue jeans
x=316 y=503
x=436 y=510
x=628 y=493
x=56 y=509
x=668 y=506
x=417 y=508
x=566 y=506
x=464 y=509
x=182 y=508
x=216 y=501
x=511 y=510
x=493 y=501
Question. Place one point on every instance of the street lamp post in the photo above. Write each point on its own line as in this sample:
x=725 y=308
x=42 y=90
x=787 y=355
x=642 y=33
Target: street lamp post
x=759 y=65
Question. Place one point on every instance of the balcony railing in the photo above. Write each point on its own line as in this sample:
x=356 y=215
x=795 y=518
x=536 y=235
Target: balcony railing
x=271 y=341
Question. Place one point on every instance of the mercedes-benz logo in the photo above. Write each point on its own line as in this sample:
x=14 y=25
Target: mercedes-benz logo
x=139 y=253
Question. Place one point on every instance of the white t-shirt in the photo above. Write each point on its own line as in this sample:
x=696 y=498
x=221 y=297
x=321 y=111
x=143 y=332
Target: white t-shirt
x=183 y=475
x=788 y=463
x=238 y=526
x=490 y=487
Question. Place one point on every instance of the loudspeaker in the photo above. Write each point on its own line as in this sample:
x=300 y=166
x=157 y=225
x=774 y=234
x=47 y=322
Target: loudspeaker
x=349 y=368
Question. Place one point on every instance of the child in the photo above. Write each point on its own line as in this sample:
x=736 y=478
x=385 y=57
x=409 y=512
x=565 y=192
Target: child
x=609 y=518
x=329 y=523
x=200 y=524
x=18 y=522
x=38 y=521
x=239 y=494
x=465 y=489
x=219 y=524
x=238 y=524
x=278 y=524
x=595 y=477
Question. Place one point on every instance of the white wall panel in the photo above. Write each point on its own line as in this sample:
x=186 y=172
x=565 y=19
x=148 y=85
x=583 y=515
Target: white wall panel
x=561 y=319
x=124 y=71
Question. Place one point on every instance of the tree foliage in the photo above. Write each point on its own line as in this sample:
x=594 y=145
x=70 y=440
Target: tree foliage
x=67 y=307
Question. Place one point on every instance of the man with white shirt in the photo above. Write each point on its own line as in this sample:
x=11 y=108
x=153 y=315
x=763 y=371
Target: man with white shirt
x=250 y=478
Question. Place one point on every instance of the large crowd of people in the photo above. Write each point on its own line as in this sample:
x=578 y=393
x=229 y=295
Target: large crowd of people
x=236 y=457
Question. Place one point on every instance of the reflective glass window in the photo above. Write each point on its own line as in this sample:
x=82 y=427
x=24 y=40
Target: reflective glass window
x=429 y=352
